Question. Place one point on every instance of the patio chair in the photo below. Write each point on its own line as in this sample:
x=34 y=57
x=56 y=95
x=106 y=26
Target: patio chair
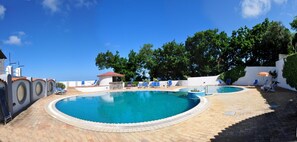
x=95 y=82
x=129 y=85
x=269 y=88
x=220 y=82
x=140 y=85
x=228 y=81
x=145 y=84
x=155 y=84
x=169 y=83
x=255 y=82
x=4 y=108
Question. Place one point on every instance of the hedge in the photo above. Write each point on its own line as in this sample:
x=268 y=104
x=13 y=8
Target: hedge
x=60 y=85
x=290 y=70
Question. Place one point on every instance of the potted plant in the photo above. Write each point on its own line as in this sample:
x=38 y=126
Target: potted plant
x=195 y=93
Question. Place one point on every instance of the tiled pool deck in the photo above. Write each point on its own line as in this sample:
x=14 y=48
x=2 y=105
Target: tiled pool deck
x=246 y=116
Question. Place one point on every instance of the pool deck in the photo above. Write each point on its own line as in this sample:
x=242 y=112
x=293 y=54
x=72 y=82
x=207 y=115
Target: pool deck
x=250 y=115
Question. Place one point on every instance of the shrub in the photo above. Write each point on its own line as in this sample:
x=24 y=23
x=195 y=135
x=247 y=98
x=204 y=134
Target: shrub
x=60 y=85
x=233 y=74
x=290 y=70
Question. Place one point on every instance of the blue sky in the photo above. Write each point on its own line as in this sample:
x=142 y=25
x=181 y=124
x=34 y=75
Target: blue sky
x=61 y=38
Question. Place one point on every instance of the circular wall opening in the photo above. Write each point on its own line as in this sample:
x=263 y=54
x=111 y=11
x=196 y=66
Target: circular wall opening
x=21 y=92
x=50 y=87
x=38 y=88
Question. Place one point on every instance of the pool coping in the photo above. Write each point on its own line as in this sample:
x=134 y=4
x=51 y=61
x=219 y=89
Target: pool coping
x=244 y=89
x=124 y=127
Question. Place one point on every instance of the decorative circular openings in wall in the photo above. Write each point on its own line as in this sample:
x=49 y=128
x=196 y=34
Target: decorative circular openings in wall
x=21 y=92
x=50 y=87
x=38 y=88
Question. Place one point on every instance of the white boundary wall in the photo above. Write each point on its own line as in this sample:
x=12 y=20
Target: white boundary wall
x=251 y=75
x=77 y=83
x=200 y=81
x=282 y=81
x=92 y=89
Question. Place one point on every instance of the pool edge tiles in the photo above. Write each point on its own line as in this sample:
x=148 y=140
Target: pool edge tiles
x=124 y=127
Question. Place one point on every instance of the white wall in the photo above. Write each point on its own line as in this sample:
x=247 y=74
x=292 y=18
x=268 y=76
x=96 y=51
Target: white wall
x=34 y=95
x=200 y=81
x=17 y=107
x=92 y=89
x=282 y=81
x=252 y=74
x=2 y=68
x=105 y=80
x=77 y=83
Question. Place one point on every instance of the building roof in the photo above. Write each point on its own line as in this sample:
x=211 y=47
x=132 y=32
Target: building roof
x=111 y=74
x=2 y=56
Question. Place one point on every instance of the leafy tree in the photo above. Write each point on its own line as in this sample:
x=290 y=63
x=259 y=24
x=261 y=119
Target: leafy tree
x=276 y=40
x=109 y=60
x=172 y=62
x=205 y=50
x=239 y=48
x=258 y=46
x=294 y=24
x=294 y=27
x=145 y=57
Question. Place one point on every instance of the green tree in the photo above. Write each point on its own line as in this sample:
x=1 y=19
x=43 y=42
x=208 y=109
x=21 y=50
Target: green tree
x=294 y=39
x=205 y=50
x=276 y=40
x=145 y=57
x=258 y=46
x=109 y=60
x=236 y=54
x=172 y=62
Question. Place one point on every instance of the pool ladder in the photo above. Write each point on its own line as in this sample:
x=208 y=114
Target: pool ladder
x=206 y=90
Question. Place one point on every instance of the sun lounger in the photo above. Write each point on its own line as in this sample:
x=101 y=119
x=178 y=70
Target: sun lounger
x=145 y=84
x=60 y=91
x=140 y=85
x=155 y=84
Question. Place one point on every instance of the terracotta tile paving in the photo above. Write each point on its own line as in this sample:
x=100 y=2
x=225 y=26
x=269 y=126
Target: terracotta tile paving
x=253 y=120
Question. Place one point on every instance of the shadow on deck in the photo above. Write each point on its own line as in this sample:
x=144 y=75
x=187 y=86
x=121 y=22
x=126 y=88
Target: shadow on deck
x=280 y=125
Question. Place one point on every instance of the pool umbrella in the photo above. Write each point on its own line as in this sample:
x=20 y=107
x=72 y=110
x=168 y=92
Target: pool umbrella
x=263 y=74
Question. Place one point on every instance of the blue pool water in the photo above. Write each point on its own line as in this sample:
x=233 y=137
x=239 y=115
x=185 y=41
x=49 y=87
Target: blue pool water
x=214 y=89
x=127 y=107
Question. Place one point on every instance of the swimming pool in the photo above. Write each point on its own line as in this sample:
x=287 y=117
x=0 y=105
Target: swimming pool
x=127 y=107
x=126 y=111
x=214 y=89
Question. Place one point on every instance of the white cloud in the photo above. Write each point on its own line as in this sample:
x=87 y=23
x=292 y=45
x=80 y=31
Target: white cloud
x=85 y=3
x=21 y=33
x=255 y=8
x=52 y=5
x=280 y=1
x=2 y=11
x=13 y=40
x=64 y=5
